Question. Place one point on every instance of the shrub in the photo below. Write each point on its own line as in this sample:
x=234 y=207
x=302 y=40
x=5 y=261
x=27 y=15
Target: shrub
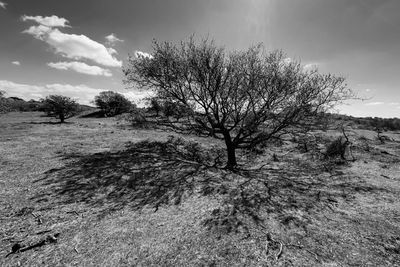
x=155 y=106
x=337 y=148
x=174 y=109
x=137 y=117
x=112 y=103
x=4 y=105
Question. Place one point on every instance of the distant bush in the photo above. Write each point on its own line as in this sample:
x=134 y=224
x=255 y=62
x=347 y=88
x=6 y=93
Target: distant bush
x=136 y=117
x=60 y=107
x=112 y=103
x=391 y=124
x=8 y=104
x=155 y=105
x=175 y=110
x=4 y=105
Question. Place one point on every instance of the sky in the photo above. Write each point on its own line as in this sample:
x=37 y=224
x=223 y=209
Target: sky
x=77 y=48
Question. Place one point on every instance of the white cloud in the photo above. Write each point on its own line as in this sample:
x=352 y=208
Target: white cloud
x=3 y=4
x=16 y=63
x=140 y=54
x=310 y=66
x=394 y=103
x=112 y=39
x=374 y=103
x=367 y=90
x=82 y=93
x=39 y=32
x=137 y=96
x=81 y=68
x=73 y=46
x=52 y=21
x=287 y=60
x=112 y=51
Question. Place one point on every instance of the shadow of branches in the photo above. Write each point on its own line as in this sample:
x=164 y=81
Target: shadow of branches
x=144 y=174
x=153 y=173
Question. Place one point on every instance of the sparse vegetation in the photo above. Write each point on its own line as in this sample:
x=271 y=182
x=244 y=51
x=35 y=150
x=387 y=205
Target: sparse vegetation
x=105 y=188
x=387 y=124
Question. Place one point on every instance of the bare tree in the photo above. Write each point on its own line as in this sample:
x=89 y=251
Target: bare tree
x=243 y=97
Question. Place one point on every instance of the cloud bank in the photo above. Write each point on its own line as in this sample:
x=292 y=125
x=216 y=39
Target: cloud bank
x=81 y=68
x=374 y=103
x=70 y=46
x=82 y=93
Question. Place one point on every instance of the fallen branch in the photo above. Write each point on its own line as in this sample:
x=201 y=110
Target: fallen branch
x=385 y=176
x=280 y=251
x=20 y=248
x=43 y=232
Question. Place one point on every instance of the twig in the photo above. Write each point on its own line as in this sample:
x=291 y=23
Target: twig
x=42 y=232
x=314 y=254
x=76 y=250
x=294 y=245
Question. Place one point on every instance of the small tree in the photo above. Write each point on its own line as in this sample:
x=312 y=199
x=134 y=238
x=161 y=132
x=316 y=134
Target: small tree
x=155 y=105
x=112 y=103
x=60 y=107
x=244 y=98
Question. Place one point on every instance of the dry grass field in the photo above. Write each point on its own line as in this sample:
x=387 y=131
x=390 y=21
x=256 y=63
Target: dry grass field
x=98 y=192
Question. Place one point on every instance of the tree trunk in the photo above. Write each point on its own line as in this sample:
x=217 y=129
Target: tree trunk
x=62 y=118
x=231 y=157
x=231 y=150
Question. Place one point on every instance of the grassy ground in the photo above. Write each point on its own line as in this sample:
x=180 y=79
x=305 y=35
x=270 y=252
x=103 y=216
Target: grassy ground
x=117 y=200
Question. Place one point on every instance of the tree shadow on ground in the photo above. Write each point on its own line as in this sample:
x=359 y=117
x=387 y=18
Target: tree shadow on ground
x=151 y=174
x=145 y=174
x=94 y=114
x=50 y=122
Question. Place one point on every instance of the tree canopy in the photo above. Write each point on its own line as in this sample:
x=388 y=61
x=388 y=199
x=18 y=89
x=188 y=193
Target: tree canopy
x=60 y=107
x=243 y=97
x=112 y=103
